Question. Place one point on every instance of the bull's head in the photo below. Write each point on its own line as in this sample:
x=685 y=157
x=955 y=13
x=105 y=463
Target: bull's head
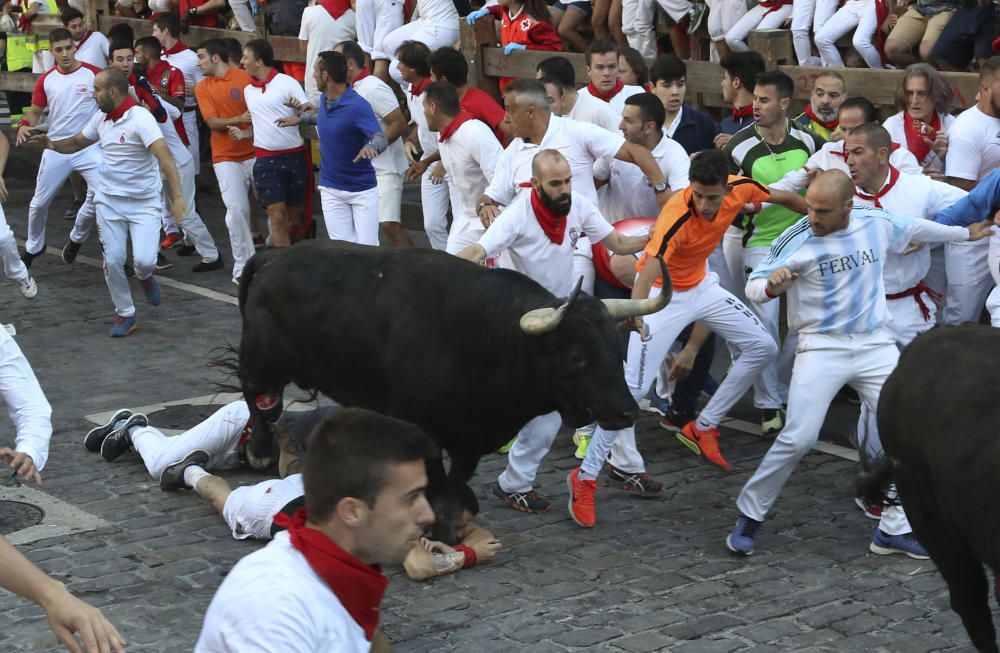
x=584 y=353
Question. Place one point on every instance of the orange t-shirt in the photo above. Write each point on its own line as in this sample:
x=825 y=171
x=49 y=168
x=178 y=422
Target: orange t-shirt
x=686 y=240
x=222 y=97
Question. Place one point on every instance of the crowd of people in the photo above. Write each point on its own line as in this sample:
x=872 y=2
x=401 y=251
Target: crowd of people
x=598 y=184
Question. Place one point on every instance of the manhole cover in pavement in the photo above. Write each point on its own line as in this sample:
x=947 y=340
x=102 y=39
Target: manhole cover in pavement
x=17 y=515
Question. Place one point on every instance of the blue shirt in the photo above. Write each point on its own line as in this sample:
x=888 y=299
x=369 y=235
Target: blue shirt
x=696 y=131
x=980 y=204
x=344 y=129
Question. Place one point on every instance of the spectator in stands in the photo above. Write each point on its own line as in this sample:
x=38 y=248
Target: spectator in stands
x=637 y=25
x=567 y=17
x=806 y=13
x=449 y=64
x=722 y=17
x=436 y=28
x=200 y=13
x=865 y=17
x=632 y=68
x=680 y=12
x=694 y=130
x=42 y=60
x=924 y=101
x=606 y=21
x=602 y=68
x=968 y=36
x=91 y=46
x=324 y=25
x=243 y=15
x=919 y=28
x=376 y=19
x=284 y=17
x=167 y=30
x=766 y=15
x=559 y=77
x=828 y=93
x=739 y=74
x=523 y=26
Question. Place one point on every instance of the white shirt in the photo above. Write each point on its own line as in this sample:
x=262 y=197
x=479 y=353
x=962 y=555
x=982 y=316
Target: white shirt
x=912 y=196
x=618 y=101
x=69 y=98
x=470 y=157
x=894 y=125
x=587 y=108
x=383 y=102
x=973 y=145
x=322 y=32
x=186 y=61
x=93 y=49
x=266 y=106
x=579 y=142
x=272 y=601
x=180 y=151
x=427 y=139
x=628 y=193
x=517 y=231
x=671 y=129
x=26 y=403
x=439 y=13
x=831 y=157
x=129 y=168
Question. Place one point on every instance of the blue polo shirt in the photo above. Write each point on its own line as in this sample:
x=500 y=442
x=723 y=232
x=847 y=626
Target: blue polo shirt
x=344 y=128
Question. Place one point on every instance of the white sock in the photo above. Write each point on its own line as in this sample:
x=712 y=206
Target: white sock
x=193 y=474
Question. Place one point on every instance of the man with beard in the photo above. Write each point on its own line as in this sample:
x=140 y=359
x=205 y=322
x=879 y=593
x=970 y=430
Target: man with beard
x=829 y=92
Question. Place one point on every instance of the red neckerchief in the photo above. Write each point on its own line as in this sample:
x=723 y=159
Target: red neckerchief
x=648 y=87
x=881 y=13
x=85 y=37
x=262 y=84
x=120 y=110
x=774 y=5
x=600 y=95
x=463 y=116
x=359 y=587
x=914 y=139
x=361 y=75
x=335 y=8
x=553 y=225
x=742 y=112
x=893 y=178
x=177 y=47
x=418 y=88
x=829 y=124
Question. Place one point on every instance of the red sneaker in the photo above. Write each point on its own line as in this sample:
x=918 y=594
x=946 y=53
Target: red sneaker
x=581 y=499
x=703 y=443
x=871 y=510
x=170 y=240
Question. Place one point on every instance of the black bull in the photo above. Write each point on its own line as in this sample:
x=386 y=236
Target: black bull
x=938 y=418
x=468 y=354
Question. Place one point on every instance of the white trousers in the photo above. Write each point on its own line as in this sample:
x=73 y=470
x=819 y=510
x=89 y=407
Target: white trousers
x=732 y=252
x=435 y=200
x=191 y=128
x=218 y=435
x=858 y=15
x=117 y=219
x=993 y=301
x=969 y=281
x=351 y=216
x=806 y=13
x=464 y=232
x=723 y=16
x=676 y=9
x=757 y=18
x=13 y=267
x=722 y=313
x=195 y=231
x=532 y=444
x=637 y=25
x=243 y=15
x=250 y=509
x=235 y=181
x=823 y=364
x=375 y=19
x=433 y=36
x=583 y=264
x=53 y=171
x=771 y=389
x=907 y=320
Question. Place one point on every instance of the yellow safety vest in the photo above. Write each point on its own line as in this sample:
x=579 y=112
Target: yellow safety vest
x=36 y=42
x=18 y=53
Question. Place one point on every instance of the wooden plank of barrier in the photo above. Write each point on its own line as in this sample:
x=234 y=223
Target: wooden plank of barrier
x=24 y=82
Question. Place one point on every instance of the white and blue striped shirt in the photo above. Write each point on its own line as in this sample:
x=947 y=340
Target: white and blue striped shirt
x=840 y=289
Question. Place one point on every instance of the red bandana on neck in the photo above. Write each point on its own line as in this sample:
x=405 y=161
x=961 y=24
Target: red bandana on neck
x=553 y=225
x=418 y=88
x=893 y=178
x=178 y=46
x=829 y=124
x=915 y=140
x=361 y=75
x=743 y=112
x=335 y=8
x=600 y=95
x=463 y=116
x=85 y=37
x=359 y=587
x=120 y=110
x=262 y=83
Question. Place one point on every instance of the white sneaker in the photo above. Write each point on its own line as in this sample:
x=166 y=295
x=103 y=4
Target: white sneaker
x=28 y=288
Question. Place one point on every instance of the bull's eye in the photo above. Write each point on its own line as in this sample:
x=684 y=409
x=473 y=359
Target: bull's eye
x=577 y=361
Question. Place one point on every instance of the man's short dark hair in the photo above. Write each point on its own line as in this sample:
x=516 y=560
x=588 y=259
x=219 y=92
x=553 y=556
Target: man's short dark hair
x=710 y=168
x=121 y=32
x=235 y=49
x=348 y=456
x=782 y=83
x=71 y=14
x=650 y=108
x=744 y=66
x=415 y=55
x=262 y=50
x=352 y=52
x=150 y=46
x=448 y=63
x=637 y=64
x=667 y=68
x=444 y=95
x=875 y=133
x=864 y=105
x=334 y=64
x=169 y=23
x=60 y=34
x=215 y=48
x=119 y=45
x=559 y=71
x=600 y=46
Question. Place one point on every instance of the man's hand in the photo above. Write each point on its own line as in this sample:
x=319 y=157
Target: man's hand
x=914 y=246
x=683 y=364
x=437 y=174
x=236 y=133
x=889 y=23
x=639 y=326
x=996 y=218
x=780 y=281
x=367 y=152
x=488 y=214
x=287 y=121
x=412 y=151
x=294 y=103
x=939 y=145
x=980 y=230
x=22 y=464
x=486 y=550
x=721 y=140
x=178 y=210
x=23 y=134
x=69 y=616
x=416 y=169
x=244 y=119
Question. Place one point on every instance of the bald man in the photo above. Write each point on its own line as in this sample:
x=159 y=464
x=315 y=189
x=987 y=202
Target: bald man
x=830 y=265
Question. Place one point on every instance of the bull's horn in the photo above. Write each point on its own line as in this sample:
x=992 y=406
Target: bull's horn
x=624 y=308
x=543 y=320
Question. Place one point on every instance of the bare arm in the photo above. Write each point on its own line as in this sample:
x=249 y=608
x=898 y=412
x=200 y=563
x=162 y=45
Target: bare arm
x=684 y=361
x=4 y=153
x=621 y=244
x=218 y=124
x=791 y=201
x=168 y=168
x=964 y=184
x=74 y=143
x=640 y=156
x=31 y=117
x=177 y=102
x=395 y=125
x=380 y=643
x=474 y=253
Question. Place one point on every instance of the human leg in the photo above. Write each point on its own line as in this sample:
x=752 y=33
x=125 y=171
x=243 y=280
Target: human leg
x=969 y=281
x=435 y=201
x=864 y=36
x=53 y=170
x=835 y=27
x=802 y=18
x=112 y=229
x=234 y=186
x=532 y=444
x=383 y=210
x=337 y=214
x=194 y=227
x=737 y=35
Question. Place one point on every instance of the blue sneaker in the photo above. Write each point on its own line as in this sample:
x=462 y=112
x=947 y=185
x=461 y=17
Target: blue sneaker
x=884 y=544
x=123 y=326
x=152 y=290
x=657 y=404
x=744 y=536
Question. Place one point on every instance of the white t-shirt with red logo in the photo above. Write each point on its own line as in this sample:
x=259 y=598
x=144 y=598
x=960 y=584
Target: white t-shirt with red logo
x=129 y=168
x=69 y=98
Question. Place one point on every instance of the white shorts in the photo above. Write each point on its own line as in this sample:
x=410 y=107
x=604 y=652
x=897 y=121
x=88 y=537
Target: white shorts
x=375 y=19
x=390 y=196
x=250 y=509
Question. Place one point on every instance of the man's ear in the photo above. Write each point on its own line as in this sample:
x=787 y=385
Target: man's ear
x=351 y=511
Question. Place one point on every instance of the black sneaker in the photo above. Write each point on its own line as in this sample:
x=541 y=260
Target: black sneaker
x=119 y=441
x=531 y=501
x=772 y=420
x=162 y=263
x=74 y=208
x=209 y=266
x=28 y=257
x=69 y=251
x=674 y=420
x=640 y=484
x=185 y=249
x=96 y=436
x=172 y=477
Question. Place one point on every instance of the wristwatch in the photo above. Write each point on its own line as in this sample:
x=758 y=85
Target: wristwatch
x=660 y=187
x=481 y=205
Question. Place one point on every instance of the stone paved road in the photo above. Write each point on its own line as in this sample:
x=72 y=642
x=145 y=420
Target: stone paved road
x=653 y=576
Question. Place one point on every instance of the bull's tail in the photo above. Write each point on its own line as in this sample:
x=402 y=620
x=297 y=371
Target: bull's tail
x=227 y=359
x=874 y=486
x=245 y=278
